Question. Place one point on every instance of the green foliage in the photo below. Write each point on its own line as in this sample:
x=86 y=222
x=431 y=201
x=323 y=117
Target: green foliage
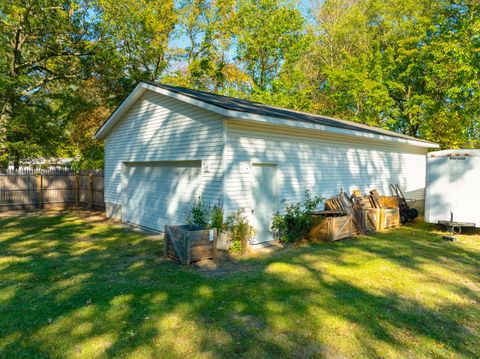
x=207 y=28
x=295 y=221
x=46 y=48
x=201 y=214
x=217 y=218
x=240 y=231
x=410 y=66
x=270 y=33
x=91 y=157
x=138 y=31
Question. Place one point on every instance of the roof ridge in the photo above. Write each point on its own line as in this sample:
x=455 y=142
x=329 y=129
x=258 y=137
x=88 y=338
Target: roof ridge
x=276 y=111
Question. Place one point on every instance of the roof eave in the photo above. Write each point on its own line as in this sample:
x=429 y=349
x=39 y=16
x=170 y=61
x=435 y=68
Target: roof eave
x=143 y=86
x=339 y=131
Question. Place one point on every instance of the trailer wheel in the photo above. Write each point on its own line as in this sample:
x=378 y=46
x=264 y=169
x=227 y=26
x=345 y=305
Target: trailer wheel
x=412 y=213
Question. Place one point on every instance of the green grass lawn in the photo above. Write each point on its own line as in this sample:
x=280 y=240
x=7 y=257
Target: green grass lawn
x=78 y=286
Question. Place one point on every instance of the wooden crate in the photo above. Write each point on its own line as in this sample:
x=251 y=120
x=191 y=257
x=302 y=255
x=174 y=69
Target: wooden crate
x=389 y=218
x=388 y=201
x=331 y=228
x=372 y=219
x=188 y=243
x=377 y=219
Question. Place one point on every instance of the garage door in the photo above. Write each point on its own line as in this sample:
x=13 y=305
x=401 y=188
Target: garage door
x=160 y=193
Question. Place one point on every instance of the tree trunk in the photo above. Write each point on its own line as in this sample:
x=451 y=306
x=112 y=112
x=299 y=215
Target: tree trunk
x=5 y=117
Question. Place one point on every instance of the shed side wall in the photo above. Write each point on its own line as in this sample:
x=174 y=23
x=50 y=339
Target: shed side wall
x=322 y=163
x=159 y=128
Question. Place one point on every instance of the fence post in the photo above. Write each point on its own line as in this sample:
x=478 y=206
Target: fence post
x=40 y=189
x=90 y=185
x=77 y=189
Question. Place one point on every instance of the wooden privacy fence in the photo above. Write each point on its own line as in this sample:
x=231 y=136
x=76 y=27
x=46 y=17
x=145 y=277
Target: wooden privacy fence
x=28 y=189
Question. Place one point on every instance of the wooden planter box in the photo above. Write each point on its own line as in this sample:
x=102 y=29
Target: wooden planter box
x=189 y=243
x=331 y=228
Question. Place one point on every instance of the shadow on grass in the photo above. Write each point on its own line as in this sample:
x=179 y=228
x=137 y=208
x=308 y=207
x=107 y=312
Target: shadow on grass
x=71 y=285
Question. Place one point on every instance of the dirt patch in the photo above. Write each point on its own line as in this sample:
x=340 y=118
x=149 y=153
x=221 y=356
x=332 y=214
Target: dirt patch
x=249 y=321
x=224 y=265
x=227 y=263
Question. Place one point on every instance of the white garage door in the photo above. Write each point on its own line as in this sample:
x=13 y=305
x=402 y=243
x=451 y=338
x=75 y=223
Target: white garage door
x=160 y=193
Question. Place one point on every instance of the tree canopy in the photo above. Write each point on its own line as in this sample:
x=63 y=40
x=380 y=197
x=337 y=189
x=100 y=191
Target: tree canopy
x=412 y=66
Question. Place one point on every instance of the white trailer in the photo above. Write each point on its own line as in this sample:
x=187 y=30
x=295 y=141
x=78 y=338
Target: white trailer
x=453 y=187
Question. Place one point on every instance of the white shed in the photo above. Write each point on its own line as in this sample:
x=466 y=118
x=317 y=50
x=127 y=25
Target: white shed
x=166 y=146
x=453 y=186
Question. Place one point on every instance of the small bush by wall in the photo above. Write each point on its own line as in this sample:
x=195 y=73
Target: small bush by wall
x=295 y=221
x=240 y=231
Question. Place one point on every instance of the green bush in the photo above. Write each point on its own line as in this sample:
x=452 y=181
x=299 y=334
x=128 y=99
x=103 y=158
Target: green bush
x=295 y=221
x=216 y=218
x=240 y=231
x=203 y=215
x=199 y=214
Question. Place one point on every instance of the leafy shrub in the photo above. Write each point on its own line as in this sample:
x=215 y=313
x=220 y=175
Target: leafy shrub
x=295 y=221
x=240 y=231
x=199 y=214
x=311 y=202
x=216 y=218
x=202 y=215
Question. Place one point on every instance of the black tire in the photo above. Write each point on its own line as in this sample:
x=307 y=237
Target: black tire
x=403 y=218
x=412 y=214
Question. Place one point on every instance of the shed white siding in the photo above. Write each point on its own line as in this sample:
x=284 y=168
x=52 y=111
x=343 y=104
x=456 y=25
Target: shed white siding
x=160 y=128
x=319 y=162
x=151 y=140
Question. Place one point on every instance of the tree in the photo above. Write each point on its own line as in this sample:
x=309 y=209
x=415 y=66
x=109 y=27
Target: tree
x=139 y=31
x=408 y=66
x=454 y=73
x=269 y=33
x=44 y=46
x=357 y=50
x=204 y=58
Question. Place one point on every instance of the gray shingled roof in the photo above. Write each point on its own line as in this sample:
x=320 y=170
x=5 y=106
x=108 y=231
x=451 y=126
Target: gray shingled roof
x=236 y=104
